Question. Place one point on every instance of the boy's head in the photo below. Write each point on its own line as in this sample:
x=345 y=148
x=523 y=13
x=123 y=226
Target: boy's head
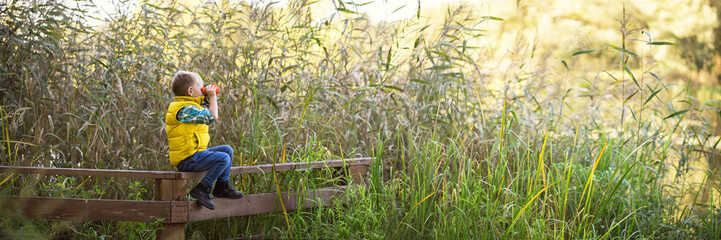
x=187 y=84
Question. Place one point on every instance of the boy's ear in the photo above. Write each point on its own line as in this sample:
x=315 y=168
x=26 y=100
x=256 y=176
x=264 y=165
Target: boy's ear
x=187 y=92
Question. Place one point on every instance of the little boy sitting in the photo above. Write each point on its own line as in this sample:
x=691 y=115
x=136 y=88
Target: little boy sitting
x=187 y=121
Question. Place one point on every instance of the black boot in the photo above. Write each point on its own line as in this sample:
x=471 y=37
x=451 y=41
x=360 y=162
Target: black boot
x=224 y=190
x=202 y=193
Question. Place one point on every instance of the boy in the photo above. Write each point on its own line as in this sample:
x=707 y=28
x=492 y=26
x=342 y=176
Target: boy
x=187 y=121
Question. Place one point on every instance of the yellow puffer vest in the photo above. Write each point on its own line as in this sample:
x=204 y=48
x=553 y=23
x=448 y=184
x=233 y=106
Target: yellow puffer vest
x=184 y=139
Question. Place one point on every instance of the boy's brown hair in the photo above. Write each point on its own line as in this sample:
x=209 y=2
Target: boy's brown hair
x=182 y=81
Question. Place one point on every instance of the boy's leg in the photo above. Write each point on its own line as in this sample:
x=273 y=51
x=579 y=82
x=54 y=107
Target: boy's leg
x=225 y=174
x=222 y=186
x=216 y=163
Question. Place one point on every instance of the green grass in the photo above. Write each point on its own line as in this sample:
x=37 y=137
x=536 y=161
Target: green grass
x=467 y=146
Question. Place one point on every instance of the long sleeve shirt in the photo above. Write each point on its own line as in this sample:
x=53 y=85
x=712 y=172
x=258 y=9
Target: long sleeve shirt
x=193 y=114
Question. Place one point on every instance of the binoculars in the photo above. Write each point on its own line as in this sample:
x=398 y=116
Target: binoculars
x=217 y=90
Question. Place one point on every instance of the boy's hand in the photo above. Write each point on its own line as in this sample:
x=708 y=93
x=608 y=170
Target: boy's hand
x=211 y=90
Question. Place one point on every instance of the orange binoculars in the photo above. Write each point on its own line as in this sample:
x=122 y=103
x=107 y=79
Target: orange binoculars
x=217 y=90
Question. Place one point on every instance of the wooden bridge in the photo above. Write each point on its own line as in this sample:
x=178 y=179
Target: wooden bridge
x=170 y=203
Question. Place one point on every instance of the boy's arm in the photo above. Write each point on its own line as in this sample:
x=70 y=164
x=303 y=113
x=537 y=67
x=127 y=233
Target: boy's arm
x=193 y=114
x=212 y=100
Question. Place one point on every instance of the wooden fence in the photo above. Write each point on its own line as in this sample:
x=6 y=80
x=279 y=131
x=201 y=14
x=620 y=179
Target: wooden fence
x=170 y=203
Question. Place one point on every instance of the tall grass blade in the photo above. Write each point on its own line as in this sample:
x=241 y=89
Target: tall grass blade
x=528 y=203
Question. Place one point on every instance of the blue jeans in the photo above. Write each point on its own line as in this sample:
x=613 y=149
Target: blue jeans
x=215 y=160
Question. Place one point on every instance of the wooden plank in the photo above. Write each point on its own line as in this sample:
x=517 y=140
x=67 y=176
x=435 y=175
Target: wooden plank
x=183 y=175
x=84 y=209
x=91 y=172
x=179 y=211
x=262 y=203
x=283 y=167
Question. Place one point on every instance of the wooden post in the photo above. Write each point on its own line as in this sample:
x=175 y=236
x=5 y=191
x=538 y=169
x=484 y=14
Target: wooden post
x=172 y=190
x=356 y=173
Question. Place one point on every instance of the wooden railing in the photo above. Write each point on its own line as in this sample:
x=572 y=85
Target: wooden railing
x=171 y=203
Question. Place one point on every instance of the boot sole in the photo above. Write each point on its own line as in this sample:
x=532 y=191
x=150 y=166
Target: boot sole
x=211 y=207
x=229 y=197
